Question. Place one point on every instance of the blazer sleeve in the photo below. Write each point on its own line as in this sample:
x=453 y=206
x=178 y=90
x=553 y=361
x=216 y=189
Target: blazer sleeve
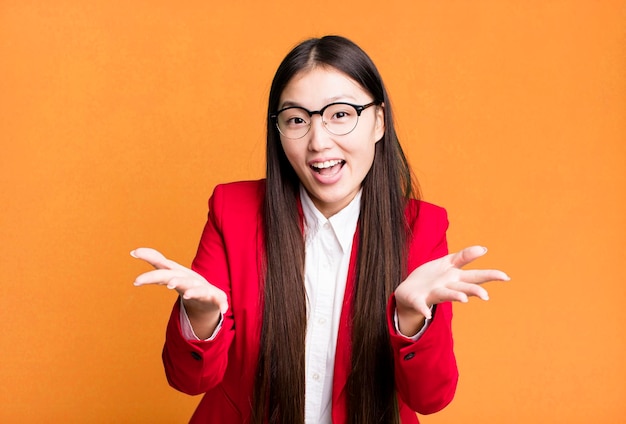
x=191 y=366
x=425 y=370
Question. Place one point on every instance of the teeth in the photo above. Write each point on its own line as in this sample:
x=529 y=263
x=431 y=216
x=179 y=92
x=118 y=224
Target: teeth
x=325 y=164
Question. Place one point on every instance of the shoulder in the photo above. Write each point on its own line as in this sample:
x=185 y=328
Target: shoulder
x=238 y=200
x=244 y=190
x=428 y=224
x=423 y=215
x=238 y=194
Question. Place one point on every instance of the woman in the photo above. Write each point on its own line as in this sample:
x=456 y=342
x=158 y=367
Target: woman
x=322 y=293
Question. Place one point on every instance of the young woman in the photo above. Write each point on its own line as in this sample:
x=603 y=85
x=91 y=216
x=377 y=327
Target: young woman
x=322 y=293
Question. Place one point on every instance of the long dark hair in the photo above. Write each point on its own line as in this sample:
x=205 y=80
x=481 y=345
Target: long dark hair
x=381 y=264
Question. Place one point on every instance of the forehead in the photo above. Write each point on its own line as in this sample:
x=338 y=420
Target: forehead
x=319 y=85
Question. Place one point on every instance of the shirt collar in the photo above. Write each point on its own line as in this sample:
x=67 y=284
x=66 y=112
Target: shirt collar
x=343 y=223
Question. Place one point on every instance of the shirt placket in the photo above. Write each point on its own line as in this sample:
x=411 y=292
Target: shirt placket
x=321 y=316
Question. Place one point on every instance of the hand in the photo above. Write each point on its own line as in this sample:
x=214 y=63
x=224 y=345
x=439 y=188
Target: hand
x=443 y=280
x=198 y=294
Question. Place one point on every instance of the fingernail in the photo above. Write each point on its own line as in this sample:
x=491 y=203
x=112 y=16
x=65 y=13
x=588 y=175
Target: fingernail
x=507 y=278
x=485 y=297
x=132 y=253
x=484 y=249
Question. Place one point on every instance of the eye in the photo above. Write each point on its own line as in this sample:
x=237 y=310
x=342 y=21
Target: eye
x=340 y=113
x=296 y=120
x=293 y=118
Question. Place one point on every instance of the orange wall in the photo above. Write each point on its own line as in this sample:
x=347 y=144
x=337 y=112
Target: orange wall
x=117 y=118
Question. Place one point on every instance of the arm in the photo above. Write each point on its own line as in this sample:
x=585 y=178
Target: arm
x=425 y=370
x=195 y=366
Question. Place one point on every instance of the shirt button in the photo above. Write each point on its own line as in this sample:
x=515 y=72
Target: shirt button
x=316 y=376
x=409 y=356
x=321 y=321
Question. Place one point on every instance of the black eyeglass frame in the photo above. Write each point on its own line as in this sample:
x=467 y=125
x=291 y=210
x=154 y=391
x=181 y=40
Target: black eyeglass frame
x=358 y=108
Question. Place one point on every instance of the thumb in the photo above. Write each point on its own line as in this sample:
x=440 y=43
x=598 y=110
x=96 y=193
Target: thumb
x=467 y=255
x=155 y=258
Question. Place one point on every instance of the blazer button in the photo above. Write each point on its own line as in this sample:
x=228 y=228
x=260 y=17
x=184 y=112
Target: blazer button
x=198 y=357
x=406 y=357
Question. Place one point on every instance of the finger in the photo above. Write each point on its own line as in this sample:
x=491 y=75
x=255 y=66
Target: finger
x=424 y=309
x=159 y=276
x=469 y=289
x=480 y=276
x=188 y=286
x=155 y=258
x=467 y=255
x=182 y=284
x=444 y=294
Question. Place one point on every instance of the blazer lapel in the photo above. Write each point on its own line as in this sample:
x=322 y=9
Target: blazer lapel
x=343 y=355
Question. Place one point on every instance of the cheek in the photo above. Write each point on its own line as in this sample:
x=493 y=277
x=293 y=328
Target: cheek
x=366 y=157
x=365 y=148
x=369 y=159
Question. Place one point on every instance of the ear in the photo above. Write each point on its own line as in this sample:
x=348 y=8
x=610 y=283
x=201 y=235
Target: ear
x=380 y=122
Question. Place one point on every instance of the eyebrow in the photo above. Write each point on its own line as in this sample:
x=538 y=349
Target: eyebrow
x=290 y=103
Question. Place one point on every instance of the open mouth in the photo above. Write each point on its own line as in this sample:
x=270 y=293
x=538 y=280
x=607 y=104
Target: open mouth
x=329 y=167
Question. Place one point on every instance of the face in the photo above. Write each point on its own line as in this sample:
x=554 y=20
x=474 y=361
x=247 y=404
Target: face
x=330 y=167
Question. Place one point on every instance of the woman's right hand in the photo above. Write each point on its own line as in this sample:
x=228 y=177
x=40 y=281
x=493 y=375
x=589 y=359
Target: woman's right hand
x=203 y=302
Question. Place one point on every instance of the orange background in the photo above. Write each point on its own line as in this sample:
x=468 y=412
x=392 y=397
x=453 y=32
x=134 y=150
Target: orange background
x=117 y=118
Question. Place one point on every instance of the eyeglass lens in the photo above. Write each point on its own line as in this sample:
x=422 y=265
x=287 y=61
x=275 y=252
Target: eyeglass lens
x=338 y=119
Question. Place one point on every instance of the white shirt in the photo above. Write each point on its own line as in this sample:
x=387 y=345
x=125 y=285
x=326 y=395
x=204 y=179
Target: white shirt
x=328 y=245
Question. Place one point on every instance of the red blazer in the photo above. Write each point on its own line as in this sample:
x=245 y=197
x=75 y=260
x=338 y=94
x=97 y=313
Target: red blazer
x=229 y=256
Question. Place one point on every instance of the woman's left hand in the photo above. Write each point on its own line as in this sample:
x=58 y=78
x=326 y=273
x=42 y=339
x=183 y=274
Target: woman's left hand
x=442 y=280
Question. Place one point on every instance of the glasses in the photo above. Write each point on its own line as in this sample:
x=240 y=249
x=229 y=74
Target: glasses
x=339 y=118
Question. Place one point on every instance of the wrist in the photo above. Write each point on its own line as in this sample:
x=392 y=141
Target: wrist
x=203 y=321
x=410 y=321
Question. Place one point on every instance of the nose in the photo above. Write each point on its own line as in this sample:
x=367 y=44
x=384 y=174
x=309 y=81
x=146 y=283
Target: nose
x=319 y=138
